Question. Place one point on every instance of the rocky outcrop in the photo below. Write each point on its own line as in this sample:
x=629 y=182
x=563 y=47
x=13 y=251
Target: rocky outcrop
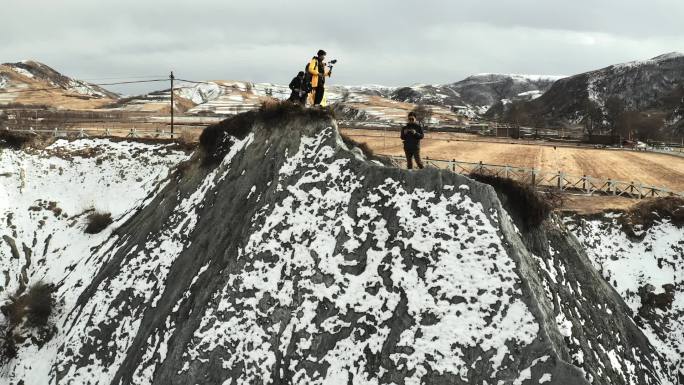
x=282 y=256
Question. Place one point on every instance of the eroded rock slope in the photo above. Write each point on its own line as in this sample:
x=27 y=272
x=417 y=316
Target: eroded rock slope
x=280 y=256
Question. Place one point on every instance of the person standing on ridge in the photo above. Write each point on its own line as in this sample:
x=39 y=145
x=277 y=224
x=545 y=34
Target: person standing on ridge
x=411 y=134
x=317 y=70
x=299 y=89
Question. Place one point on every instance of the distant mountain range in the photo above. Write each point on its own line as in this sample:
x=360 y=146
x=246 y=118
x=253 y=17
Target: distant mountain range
x=652 y=87
x=642 y=85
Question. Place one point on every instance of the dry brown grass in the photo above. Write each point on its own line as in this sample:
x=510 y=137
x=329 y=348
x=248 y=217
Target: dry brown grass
x=523 y=201
x=648 y=168
x=16 y=140
x=32 y=309
x=651 y=211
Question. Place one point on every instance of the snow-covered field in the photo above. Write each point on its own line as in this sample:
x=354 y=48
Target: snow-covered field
x=45 y=198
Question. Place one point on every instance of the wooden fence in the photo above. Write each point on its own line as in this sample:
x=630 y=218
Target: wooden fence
x=554 y=180
x=98 y=132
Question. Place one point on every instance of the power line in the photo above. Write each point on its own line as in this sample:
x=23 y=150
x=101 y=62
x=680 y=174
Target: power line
x=131 y=82
x=85 y=84
x=123 y=77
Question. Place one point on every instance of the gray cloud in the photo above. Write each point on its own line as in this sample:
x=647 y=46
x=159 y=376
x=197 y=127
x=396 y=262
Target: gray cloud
x=380 y=41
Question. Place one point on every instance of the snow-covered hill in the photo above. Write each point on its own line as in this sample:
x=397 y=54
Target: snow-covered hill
x=478 y=92
x=468 y=98
x=280 y=255
x=654 y=257
x=17 y=79
x=642 y=85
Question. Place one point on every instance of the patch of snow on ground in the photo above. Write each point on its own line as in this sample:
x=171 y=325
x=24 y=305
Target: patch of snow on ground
x=628 y=264
x=22 y=72
x=299 y=236
x=118 y=179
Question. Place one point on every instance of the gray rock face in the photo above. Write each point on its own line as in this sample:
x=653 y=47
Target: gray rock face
x=296 y=260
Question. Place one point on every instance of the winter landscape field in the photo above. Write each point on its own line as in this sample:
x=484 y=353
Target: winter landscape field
x=180 y=205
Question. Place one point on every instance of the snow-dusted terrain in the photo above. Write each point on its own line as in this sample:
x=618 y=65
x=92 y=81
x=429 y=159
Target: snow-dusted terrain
x=39 y=75
x=374 y=104
x=45 y=197
x=279 y=255
x=655 y=258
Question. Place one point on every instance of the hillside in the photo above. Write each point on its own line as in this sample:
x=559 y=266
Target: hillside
x=34 y=83
x=373 y=103
x=475 y=94
x=278 y=254
x=654 y=86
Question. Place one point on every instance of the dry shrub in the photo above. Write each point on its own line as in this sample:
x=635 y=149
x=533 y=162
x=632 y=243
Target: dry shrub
x=648 y=212
x=187 y=138
x=35 y=305
x=15 y=140
x=97 y=222
x=522 y=201
x=33 y=309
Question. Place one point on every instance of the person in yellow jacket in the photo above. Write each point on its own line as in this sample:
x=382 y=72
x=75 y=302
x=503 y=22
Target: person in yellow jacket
x=317 y=70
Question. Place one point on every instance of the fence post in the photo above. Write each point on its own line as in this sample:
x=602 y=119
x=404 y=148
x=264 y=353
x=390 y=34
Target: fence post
x=453 y=165
x=534 y=177
x=479 y=167
x=559 y=176
x=584 y=183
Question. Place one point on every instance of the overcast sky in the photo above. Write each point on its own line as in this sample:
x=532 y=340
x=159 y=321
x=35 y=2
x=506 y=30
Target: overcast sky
x=390 y=42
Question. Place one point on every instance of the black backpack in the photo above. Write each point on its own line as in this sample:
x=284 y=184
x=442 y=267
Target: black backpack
x=307 y=79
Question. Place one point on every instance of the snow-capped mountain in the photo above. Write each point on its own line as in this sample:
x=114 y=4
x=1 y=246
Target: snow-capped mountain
x=18 y=79
x=278 y=254
x=641 y=85
x=479 y=91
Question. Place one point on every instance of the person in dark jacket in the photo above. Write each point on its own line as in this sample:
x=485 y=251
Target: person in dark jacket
x=298 y=88
x=411 y=134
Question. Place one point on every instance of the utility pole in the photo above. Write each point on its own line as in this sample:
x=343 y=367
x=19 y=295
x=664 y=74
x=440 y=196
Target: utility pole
x=171 y=77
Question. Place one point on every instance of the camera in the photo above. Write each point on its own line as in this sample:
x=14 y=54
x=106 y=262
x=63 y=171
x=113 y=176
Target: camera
x=331 y=62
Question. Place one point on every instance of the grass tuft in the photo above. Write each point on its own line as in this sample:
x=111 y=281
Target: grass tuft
x=97 y=222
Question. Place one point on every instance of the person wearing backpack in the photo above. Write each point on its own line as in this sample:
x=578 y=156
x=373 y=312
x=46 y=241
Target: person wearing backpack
x=411 y=134
x=298 y=86
x=317 y=71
